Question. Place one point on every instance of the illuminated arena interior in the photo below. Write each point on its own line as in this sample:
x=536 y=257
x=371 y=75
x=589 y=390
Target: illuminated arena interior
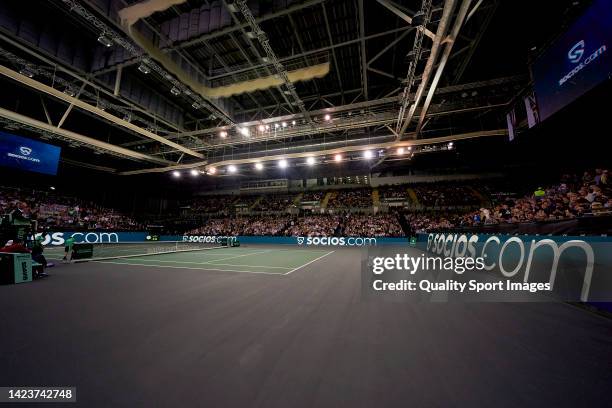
x=194 y=195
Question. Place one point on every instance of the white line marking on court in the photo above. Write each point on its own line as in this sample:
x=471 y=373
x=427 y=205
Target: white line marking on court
x=187 y=267
x=308 y=263
x=209 y=263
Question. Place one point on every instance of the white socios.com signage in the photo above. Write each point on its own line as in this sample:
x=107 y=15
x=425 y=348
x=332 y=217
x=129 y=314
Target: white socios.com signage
x=472 y=246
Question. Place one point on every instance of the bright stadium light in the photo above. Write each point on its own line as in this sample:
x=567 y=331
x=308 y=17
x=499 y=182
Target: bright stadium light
x=368 y=154
x=144 y=68
x=223 y=134
x=338 y=158
x=244 y=131
x=310 y=161
x=327 y=116
x=283 y=164
x=267 y=127
x=261 y=128
x=258 y=166
x=276 y=126
x=284 y=124
x=409 y=148
x=400 y=150
x=293 y=123
x=26 y=72
x=232 y=169
x=176 y=174
x=212 y=170
x=105 y=41
x=194 y=172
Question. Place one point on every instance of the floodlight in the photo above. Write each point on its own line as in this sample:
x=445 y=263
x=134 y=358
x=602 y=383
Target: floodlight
x=105 y=41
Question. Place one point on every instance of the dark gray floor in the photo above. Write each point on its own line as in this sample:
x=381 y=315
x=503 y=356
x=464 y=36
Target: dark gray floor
x=133 y=336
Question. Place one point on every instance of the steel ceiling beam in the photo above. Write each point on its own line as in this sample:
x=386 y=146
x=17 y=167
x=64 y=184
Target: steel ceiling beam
x=448 y=44
x=331 y=47
x=207 y=104
x=447 y=12
x=57 y=66
x=327 y=152
x=209 y=36
x=39 y=86
x=81 y=139
x=273 y=59
x=395 y=9
x=363 y=57
x=355 y=106
x=331 y=43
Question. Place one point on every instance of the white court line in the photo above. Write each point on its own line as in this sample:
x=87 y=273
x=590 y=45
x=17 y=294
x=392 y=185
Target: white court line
x=209 y=263
x=187 y=267
x=306 y=264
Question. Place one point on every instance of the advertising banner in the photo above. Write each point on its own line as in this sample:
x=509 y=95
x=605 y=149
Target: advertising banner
x=92 y=237
x=106 y=237
x=577 y=62
x=573 y=268
x=27 y=154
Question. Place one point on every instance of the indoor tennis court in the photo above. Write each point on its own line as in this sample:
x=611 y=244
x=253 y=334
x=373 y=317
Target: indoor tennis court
x=253 y=259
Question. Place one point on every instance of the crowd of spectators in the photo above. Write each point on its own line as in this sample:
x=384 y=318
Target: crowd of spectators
x=393 y=192
x=274 y=202
x=212 y=204
x=351 y=198
x=574 y=196
x=247 y=201
x=445 y=195
x=242 y=226
x=310 y=196
x=52 y=210
x=381 y=225
x=313 y=226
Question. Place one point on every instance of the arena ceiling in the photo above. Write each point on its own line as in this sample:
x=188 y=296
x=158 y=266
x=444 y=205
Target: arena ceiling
x=134 y=87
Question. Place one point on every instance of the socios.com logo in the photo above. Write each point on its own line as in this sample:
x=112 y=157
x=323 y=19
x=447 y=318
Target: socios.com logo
x=26 y=151
x=59 y=238
x=576 y=52
x=337 y=241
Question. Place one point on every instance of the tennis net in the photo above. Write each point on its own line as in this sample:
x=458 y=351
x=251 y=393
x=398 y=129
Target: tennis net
x=102 y=251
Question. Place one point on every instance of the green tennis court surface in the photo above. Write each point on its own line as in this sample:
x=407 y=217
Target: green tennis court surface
x=272 y=261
